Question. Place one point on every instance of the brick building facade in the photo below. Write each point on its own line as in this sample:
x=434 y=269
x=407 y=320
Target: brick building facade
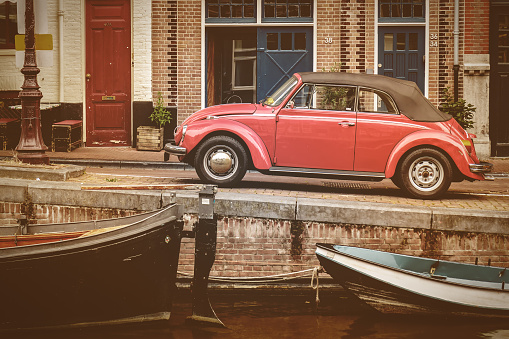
x=189 y=51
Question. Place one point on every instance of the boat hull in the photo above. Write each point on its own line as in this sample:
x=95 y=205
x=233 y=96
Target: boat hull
x=395 y=297
x=124 y=275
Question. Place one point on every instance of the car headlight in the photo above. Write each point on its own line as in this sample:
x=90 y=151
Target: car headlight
x=184 y=129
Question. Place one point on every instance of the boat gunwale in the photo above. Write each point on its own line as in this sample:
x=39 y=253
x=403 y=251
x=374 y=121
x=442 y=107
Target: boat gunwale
x=72 y=226
x=44 y=250
x=329 y=247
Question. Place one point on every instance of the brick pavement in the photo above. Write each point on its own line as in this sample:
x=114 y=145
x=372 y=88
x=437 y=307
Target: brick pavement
x=477 y=195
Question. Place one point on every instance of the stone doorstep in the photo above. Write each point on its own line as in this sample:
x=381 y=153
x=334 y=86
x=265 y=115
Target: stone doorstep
x=61 y=173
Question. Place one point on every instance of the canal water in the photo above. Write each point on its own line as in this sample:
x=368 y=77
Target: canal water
x=289 y=314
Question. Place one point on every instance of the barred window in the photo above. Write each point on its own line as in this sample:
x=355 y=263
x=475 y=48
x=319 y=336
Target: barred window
x=287 y=10
x=230 y=10
x=401 y=10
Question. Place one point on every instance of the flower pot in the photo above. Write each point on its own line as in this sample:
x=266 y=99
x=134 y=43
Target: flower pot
x=149 y=138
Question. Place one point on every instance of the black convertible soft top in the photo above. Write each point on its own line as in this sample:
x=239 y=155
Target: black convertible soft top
x=408 y=97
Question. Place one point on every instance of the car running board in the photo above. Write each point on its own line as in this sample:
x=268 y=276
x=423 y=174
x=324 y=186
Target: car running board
x=324 y=173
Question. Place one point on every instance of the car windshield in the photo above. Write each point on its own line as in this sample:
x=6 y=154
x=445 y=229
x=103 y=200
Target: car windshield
x=276 y=98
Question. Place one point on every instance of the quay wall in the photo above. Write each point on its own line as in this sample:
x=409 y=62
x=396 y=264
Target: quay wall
x=267 y=235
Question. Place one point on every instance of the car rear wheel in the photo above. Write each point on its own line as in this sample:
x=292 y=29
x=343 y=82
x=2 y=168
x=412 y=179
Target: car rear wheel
x=221 y=160
x=425 y=174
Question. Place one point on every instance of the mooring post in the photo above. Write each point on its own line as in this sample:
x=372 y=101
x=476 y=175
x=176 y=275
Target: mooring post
x=204 y=256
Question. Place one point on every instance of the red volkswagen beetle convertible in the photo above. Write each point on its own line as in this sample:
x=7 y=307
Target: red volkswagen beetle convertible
x=333 y=125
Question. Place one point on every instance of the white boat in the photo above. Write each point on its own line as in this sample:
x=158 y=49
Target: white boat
x=395 y=283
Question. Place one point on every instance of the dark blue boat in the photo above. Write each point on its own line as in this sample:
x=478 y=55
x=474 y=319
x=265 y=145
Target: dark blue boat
x=124 y=274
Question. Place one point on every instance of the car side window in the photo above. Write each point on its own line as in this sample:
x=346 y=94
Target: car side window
x=304 y=97
x=322 y=97
x=334 y=98
x=374 y=101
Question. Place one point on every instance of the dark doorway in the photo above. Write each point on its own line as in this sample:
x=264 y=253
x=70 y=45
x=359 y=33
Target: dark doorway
x=401 y=53
x=282 y=51
x=231 y=65
x=499 y=78
x=247 y=64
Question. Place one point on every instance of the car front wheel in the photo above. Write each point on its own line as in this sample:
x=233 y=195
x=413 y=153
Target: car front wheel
x=425 y=174
x=221 y=160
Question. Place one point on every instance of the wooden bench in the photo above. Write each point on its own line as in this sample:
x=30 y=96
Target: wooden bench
x=9 y=133
x=66 y=134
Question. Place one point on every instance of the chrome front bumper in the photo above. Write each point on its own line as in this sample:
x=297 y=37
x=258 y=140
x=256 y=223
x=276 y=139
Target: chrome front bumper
x=483 y=167
x=174 y=149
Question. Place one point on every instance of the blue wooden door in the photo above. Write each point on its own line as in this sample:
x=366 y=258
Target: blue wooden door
x=401 y=53
x=282 y=51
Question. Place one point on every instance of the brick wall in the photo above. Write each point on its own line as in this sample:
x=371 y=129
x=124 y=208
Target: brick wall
x=189 y=57
x=446 y=45
x=259 y=247
x=328 y=35
x=164 y=50
x=477 y=29
x=353 y=35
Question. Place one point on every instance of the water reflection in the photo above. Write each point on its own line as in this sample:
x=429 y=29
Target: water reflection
x=294 y=314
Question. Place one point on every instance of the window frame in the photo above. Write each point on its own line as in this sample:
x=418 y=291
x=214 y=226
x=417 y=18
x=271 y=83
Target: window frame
x=230 y=19
x=243 y=58
x=373 y=91
x=400 y=18
x=315 y=85
x=288 y=18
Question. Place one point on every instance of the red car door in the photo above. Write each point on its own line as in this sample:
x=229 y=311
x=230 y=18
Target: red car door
x=317 y=129
x=379 y=129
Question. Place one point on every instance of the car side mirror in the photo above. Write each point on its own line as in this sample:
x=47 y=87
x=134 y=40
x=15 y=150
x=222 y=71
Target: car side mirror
x=291 y=104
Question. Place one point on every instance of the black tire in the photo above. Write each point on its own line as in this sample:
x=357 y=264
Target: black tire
x=425 y=174
x=396 y=180
x=221 y=160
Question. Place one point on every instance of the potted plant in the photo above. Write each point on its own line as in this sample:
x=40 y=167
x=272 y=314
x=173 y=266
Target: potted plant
x=150 y=138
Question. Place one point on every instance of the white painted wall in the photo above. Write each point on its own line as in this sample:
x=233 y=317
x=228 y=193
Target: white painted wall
x=142 y=50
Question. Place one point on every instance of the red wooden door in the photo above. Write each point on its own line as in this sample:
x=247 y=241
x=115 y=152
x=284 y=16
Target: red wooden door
x=108 y=73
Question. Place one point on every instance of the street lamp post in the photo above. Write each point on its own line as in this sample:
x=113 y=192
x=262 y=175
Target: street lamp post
x=31 y=148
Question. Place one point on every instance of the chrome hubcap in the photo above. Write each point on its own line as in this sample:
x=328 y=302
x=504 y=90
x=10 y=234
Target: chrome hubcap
x=426 y=174
x=220 y=162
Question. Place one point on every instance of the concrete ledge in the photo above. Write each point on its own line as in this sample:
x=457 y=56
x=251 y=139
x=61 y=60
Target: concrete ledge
x=262 y=206
x=470 y=221
x=125 y=164
x=39 y=173
x=256 y=206
x=362 y=213
x=70 y=194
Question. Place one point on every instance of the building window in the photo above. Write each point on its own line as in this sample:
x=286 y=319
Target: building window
x=286 y=41
x=401 y=10
x=8 y=24
x=244 y=65
x=230 y=11
x=503 y=39
x=288 y=10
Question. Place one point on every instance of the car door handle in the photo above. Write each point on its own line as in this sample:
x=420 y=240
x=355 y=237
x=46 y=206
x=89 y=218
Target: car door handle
x=346 y=123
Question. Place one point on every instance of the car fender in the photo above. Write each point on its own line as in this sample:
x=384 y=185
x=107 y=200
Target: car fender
x=199 y=130
x=445 y=142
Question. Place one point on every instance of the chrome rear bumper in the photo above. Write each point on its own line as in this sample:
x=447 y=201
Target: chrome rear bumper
x=174 y=149
x=483 y=167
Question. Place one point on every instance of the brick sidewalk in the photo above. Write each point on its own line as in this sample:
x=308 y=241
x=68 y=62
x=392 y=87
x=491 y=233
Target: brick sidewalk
x=479 y=196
